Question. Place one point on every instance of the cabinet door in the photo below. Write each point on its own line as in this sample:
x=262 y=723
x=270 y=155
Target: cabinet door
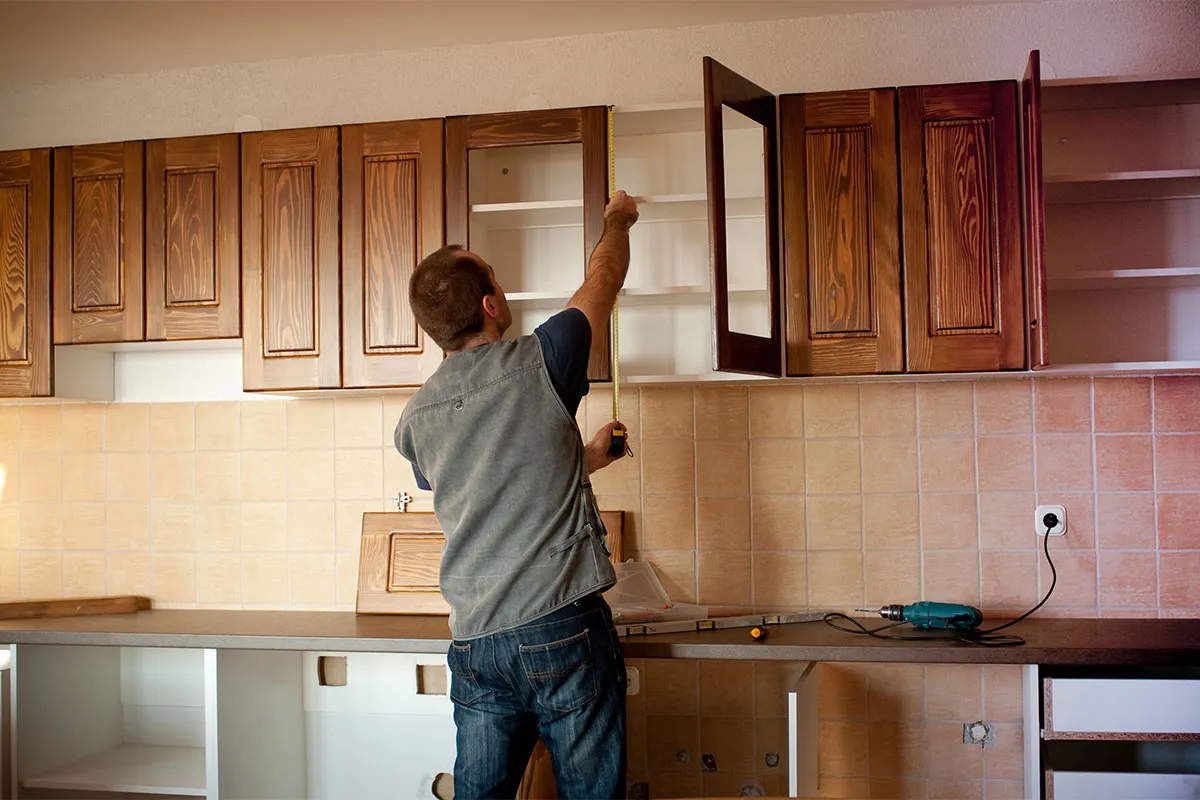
x=392 y=217
x=749 y=341
x=965 y=305
x=583 y=126
x=290 y=253
x=841 y=222
x=192 y=230
x=25 y=351
x=98 y=269
x=1035 y=212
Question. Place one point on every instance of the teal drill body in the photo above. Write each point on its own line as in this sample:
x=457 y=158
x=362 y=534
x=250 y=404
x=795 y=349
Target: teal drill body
x=927 y=615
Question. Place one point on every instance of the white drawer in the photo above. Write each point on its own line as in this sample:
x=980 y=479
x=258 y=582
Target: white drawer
x=1079 y=708
x=1120 y=786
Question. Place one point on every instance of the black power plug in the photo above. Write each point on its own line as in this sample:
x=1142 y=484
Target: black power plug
x=1050 y=520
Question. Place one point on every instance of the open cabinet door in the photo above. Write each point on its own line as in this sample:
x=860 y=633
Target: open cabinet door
x=741 y=141
x=1035 y=212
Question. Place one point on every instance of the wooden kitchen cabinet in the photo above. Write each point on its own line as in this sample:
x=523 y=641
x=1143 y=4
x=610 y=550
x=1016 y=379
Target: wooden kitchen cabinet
x=392 y=217
x=290 y=259
x=25 y=351
x=193 y=284
x=98 y=267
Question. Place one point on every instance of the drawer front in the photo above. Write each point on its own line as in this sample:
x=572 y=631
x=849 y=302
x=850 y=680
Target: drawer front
x=1120 y=786
x=1121 y=709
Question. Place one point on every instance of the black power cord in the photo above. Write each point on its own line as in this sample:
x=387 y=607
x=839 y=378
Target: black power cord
x=989 y=637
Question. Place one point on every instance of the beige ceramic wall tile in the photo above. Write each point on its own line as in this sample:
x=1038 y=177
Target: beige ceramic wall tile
x=1127 y=521
x=264 y=475
x=1064 y=463
x=310 y=475
x=264 y=425
x=954 y=790
x=218 y=476
x=1124 y=463
x=721 y=412
x=358 y=422
x=1005 y=463
x=41 y=428
x=1122 y=405
x=310 y=527
x=951 y=574
x=780 y=580
x=10 y=477
x=778 y=521
x=358 y=474
x=776 y=412
x=676 y=571
x=41 y=477
x=10 y=574
x=669 y=466
x=958 y=694
x=772 y=681
x=667 y=412
x=218 y=426
x=949 y=522
x=726 y=689
x=1177 y=515
x=310 y=424
x=731 y=742
x=672 y=687
x=892 y=576
x=889 y=465
x=41 y=575
x=1076 y=587
x=896 y=752
x=842 y=745
x=722 y=468
x=777 y=466
x=945 y=409
x=891 y=521
x=83 y=427
x=1180 y=591
x=724 y=578
x=1177 y=404
x=669 y=737
x=41 y=526
x=1002 y=693
x=347 y=522
x=83 y=526
x=947 y=465
x=1007 y=758
x=1004 y=406
x=127 y=427
x=835 y=579
x=264 y=527
x=173 y=477
x=10 y=526
x=10 y=429
x=172 y=527
x=842 y=691
x=669 y=522
x=173 y=577
x=83 y=574
x=621 y=477
x=1063 y=405
x=888 y=409
x=1006 y=521
x=831 y=410
x=598 y=407
x=128 y=573
x=1128 y=580
x=219 y=578
x=84 y=477
x=723 y=523
x=128 y=477
x=834 y=521
x=313 y=579
x=347 y=579
x=219 y=527
x=1176 y=463
x=393 y=406
x=1010 y=580
x=128 y=527
x=173 y=426
x=265 y=579
x=946 y=757
x=832 y=466
x=896 y=692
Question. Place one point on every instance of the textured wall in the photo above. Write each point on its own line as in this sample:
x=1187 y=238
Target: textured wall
x=1077 y=38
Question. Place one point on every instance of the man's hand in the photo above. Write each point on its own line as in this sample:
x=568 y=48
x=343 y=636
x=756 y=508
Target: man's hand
x=621 y=210
x=596 y=451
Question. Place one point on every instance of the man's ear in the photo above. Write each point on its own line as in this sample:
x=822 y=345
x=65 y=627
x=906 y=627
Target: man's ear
x=489 y=306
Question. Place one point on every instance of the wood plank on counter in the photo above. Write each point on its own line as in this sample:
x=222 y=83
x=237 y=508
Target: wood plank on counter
x=1048 y=641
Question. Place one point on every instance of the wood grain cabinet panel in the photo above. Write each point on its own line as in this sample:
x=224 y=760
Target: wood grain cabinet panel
x=98 y=267
x=962 y=227
x=841 y=233
x=392 y=217
x=290 y=259
x=26 y=354
x=192 y=228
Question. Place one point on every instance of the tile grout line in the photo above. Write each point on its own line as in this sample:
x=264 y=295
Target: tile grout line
x=978 y=489
x=862 y=508
x=1154 y=496
x=1095 y=490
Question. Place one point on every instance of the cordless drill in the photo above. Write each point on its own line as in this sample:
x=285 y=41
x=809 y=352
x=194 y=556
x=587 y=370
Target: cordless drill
x=927 y=615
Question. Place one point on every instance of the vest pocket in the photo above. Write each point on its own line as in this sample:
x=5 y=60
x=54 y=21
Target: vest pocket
x=572 y=540
x=464 y=688
x=562 y=673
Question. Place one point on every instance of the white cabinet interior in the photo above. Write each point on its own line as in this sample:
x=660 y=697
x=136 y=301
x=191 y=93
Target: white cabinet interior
x=1122 y=187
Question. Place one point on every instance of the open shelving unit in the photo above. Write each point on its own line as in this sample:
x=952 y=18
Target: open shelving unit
x=131 y=769
x=1122 y=191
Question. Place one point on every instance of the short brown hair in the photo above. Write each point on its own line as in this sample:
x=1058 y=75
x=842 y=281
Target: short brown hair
x=446 y=294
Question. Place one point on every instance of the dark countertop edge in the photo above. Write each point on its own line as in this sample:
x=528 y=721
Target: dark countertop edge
x=233 y=641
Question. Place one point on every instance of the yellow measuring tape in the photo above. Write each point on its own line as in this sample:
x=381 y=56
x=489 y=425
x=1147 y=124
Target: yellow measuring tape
x=616 y=330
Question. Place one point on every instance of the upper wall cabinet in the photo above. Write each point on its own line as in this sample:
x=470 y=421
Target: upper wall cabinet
x=526 y=191
x=392 y=217
x=98 y=267
x=960 y=179
x=290 y=259
x=25 y=350
x=192 y=278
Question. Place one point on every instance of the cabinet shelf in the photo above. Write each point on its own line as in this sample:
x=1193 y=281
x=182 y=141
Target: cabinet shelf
x=1107 y=187
x=135 y=769
x=1123 y=367
x=666 y=295
x=1126 y=278
x=569 y=213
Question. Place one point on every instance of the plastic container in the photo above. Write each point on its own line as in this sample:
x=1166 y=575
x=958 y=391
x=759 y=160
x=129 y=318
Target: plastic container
x=639 y=596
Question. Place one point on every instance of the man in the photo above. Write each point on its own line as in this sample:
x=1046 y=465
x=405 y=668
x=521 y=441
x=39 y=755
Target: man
x=493 y=434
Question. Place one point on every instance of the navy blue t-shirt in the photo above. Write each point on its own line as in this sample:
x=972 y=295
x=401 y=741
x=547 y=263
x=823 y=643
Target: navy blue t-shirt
x=566 y=345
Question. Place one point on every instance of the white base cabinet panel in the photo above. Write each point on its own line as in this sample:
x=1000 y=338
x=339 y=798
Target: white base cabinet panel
x=1120 y=786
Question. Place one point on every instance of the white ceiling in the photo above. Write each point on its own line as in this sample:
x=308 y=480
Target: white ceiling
x=52 y=40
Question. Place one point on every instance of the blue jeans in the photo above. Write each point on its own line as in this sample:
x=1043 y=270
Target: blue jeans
x=561 y=677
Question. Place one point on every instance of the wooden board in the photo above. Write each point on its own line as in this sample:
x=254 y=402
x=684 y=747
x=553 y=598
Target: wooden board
x=400 y=558
x=74 y=607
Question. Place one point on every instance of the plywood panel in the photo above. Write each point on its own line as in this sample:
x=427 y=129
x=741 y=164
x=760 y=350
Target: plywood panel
x=25 y=354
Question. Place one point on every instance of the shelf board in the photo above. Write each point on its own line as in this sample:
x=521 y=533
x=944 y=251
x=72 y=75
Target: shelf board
x=569 y=213
x=1125 y=279
x=526 y=205
x=1105 y=187
x=1142 y=175
x=635 y=296
x=135 y=769
x=1123 y=367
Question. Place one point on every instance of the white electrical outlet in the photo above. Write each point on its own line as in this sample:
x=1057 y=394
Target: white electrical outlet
x=633 y=681
x=1058 y=511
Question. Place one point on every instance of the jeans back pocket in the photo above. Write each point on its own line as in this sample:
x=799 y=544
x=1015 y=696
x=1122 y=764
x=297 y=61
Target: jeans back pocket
x=562 y=673
x=464 y=688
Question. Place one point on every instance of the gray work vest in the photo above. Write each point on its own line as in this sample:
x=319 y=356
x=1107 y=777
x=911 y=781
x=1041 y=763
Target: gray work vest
x=510 y=488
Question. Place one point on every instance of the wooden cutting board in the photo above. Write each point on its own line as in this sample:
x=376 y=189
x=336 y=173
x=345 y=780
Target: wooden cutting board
x=400 y=557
